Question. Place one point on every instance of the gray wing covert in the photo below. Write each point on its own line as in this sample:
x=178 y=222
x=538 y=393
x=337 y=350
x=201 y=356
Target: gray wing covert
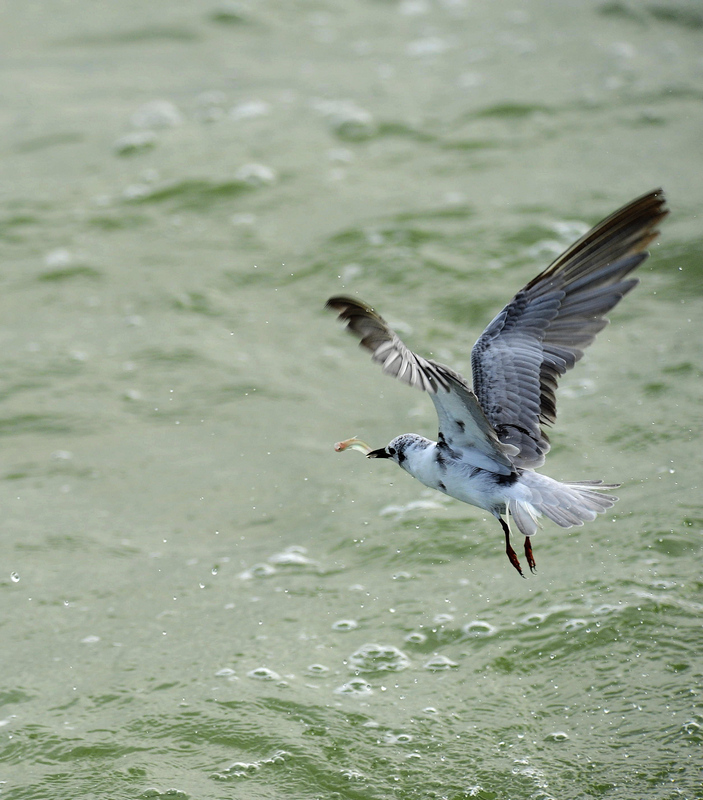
x=544 y=329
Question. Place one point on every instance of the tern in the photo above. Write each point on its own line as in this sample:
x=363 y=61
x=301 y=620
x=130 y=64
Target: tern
x=492 y=437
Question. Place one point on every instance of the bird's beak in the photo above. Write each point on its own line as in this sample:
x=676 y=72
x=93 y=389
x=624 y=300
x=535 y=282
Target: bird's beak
x=380 y=453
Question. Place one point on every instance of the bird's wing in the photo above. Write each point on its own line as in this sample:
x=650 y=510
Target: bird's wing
x=462 y=423
x=544 y=329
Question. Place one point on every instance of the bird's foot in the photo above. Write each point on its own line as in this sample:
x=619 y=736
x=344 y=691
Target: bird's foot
x=512 y=557
x=531 y=563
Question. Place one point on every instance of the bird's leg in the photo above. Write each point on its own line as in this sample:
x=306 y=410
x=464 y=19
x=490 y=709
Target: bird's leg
x=512 y=555
x=528 y=554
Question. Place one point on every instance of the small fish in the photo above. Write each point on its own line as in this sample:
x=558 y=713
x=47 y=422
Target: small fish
x=353 y=444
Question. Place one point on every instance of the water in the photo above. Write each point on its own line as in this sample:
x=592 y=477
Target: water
x=201 y=599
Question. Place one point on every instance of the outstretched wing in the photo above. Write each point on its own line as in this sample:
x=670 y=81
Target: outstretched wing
x=544 y=329
x=461 y=419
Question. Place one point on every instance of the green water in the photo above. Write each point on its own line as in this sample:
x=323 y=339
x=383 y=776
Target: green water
x=200 y=598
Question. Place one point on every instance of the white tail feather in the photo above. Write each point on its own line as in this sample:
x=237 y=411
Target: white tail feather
x=567 y=504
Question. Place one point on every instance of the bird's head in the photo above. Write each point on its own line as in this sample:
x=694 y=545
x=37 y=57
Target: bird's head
x=400 y=448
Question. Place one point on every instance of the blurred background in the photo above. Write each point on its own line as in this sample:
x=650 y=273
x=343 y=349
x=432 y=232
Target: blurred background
x=200 y=598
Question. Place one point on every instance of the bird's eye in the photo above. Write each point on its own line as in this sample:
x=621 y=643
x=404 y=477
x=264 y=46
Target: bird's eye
x=391 y=451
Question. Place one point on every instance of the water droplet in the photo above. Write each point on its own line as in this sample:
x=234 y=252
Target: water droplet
x=15 y=577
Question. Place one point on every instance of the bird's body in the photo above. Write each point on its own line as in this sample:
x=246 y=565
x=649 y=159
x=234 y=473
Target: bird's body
x=491 y=438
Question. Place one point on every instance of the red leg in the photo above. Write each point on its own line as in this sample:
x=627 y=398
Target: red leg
x=528 y=554
x=512 y=555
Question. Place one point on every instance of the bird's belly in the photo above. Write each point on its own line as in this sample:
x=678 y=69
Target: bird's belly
x=479 y=489
x=474 y=486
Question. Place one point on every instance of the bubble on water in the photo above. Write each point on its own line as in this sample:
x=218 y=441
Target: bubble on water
x=245 y=769
x=255 y=175
x=534 y=619
x=413 y=8
x=225 y=672
x=428 y=46
x=15 y=577
x=135 y=142
x=606 y=608
x=257 y=571
x=345 y=625
x=60 y=257
x=249 y=110
x=346 y=119
x=263 y=674
x=479 y=628
x=293 y=555
x=416 y=638
x=414 y=505
x=243 y=219
x=557 y=736
x=438 y=663
x=574 y=624
x=136 y=191
x=356 y=686
x=353 y=775
x=317 y=670
x=662 y=584
x=398 y=738
x=157 y=114
x=378 y=658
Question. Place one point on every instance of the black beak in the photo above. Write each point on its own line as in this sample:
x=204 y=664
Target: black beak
x=380 y=453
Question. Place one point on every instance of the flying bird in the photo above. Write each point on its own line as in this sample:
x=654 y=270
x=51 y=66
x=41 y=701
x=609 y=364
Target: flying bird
x=492 y=437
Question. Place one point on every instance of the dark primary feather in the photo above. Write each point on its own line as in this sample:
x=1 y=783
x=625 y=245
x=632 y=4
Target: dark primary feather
x=544 y=329
x=461 y=419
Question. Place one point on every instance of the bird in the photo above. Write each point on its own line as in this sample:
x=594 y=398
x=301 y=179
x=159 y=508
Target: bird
x=492 y=436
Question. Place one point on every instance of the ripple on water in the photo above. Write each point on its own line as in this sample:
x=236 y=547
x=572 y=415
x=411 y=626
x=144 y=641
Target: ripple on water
x=378 y=658
x=416 y=638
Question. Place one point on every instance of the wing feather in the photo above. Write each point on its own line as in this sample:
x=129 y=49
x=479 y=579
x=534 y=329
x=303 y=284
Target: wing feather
x=461 y=419
x=544 y=329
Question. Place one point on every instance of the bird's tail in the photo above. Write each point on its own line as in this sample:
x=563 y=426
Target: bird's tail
x=566 y=503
